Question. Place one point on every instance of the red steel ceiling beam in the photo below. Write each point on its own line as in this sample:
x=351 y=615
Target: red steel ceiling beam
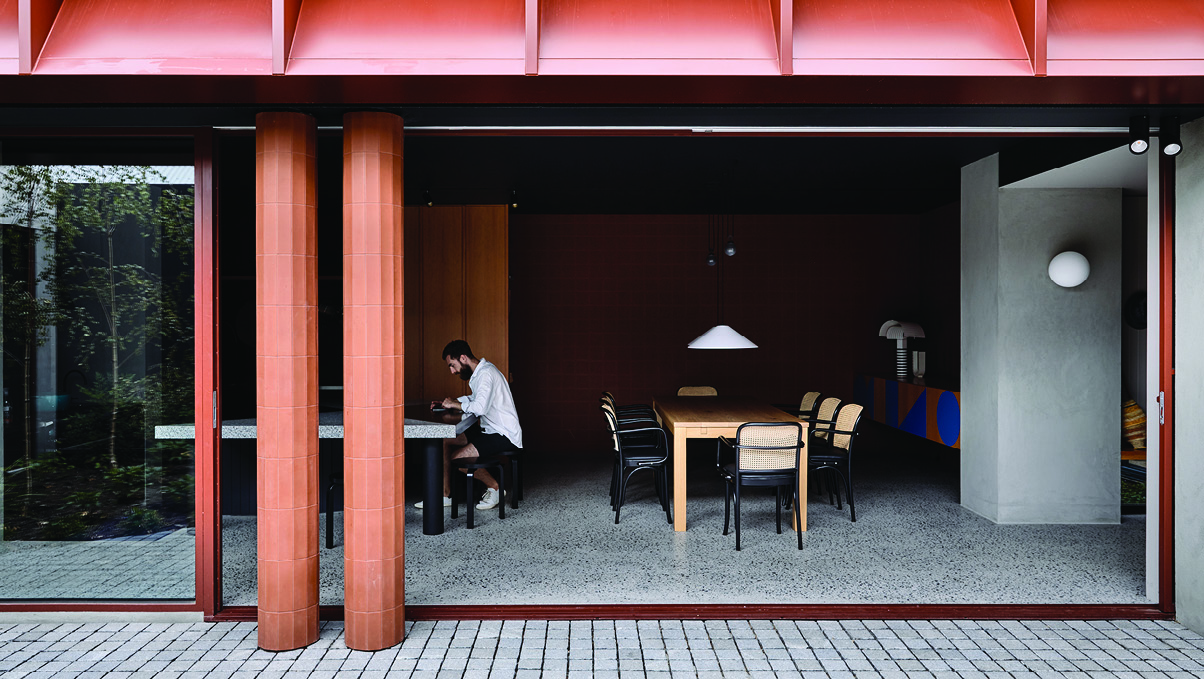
x=531 y=48
x=284 y=27
x=34 y=19
x=1032 y=18
x=783 y=16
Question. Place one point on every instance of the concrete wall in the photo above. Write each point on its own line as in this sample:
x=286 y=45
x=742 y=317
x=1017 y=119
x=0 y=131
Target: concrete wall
x=1040 y=364
x=1059 y=353
x=1188 y=396
x=980 y=337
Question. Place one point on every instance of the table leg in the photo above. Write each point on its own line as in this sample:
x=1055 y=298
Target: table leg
x=679 y=480
x=432 y=488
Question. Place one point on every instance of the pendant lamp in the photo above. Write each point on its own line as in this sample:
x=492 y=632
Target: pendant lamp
x=721 y=336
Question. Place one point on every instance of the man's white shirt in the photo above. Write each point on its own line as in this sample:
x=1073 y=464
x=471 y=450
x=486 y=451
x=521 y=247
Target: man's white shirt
x=492 y=403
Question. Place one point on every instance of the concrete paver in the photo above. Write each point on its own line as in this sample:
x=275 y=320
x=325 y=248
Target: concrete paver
x=622 y=649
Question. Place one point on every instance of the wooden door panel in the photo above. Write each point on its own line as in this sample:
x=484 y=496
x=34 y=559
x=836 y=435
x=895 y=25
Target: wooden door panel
x=442 y=297
x=487 y=283
x=412 y=228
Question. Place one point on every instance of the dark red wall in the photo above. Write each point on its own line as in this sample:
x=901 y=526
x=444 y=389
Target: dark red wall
x=610 y=302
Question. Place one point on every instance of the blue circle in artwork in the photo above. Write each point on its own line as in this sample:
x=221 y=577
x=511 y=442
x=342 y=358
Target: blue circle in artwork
x=948 y=418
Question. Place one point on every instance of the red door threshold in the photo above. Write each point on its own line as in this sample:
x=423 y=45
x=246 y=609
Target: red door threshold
x=755 y=612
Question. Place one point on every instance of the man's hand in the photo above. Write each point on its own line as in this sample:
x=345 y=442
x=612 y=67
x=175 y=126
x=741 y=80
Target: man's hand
x=451 y=404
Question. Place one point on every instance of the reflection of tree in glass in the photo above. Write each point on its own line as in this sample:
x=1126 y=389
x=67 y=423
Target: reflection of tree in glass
x=116 y=275
x=26 y=317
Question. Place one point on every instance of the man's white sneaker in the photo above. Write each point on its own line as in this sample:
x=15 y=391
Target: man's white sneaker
x=490 y=499
x=446 y=503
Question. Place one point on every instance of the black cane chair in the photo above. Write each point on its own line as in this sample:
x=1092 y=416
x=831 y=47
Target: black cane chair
x=631 y=411
x=806 y=407
x=641 y=439
x=833 y=451
x=636 y=448
x=766 y=454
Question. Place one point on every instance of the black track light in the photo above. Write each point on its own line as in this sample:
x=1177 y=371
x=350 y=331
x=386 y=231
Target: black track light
x=1139 y=134
x=730 y=250
x=514 y=199
x=426 y=198
x=1168 y=136
x=711 y=258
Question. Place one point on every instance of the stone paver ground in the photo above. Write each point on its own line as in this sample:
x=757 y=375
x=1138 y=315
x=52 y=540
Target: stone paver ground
x=665 y=649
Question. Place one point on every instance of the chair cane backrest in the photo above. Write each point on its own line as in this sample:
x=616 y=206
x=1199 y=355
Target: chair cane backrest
x=808 y=402
x=697 y=391
x=612 y=422
x=775 y=445
x=848 y=420
x=827 y=409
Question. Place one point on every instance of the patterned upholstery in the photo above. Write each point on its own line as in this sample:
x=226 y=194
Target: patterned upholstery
x=1134 y=424
x=697 y=391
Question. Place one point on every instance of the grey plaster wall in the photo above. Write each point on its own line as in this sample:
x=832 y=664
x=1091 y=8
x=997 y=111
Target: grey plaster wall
x=1059 y=358
x=1041 y=365
x=1188 y=396
x=980 y=337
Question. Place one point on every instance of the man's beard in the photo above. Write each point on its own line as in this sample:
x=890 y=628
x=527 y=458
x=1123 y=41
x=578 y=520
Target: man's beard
x=465 y=372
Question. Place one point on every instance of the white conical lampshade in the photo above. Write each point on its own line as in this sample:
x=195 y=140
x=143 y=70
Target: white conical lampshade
x=721 y=337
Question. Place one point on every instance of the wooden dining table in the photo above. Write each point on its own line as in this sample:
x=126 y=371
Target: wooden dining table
x=709 y=417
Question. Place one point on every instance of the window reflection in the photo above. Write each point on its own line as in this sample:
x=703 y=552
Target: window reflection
x=97 y=323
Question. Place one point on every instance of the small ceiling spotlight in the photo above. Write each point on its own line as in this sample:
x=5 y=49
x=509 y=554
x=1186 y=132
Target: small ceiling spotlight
x=426 y=198
x=1168 y=136
x=1139 y=134
x=514 y=199
x=730 y=250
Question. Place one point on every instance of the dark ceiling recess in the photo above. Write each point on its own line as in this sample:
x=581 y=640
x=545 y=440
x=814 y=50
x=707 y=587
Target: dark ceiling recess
x=720 y=175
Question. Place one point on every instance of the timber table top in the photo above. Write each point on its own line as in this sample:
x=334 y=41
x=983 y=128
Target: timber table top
x=716 y=411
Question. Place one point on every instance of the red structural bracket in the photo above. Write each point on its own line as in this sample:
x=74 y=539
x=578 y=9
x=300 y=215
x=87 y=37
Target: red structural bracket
x=34 y=19
x=1032 y=18
x=284 y=27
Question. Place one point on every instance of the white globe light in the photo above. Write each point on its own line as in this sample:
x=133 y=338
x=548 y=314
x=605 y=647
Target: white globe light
x=1069 y=269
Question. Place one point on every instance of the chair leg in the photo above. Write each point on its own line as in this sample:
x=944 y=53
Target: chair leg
x=668 y=500
x=455 y=508
x=614 y=484
x=727 y=505
x=848 y=480
x=518 y=482
x=737 y=514
x=469 y=505
x=501 y=488
x=778 y=504
x=622 y=492
x=329 y=517
x=798 y=516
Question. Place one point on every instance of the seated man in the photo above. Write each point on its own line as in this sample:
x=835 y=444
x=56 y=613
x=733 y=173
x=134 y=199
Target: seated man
x=497 y=427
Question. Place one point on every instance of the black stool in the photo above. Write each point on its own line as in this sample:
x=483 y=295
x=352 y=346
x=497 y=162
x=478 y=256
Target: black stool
x=471 y=465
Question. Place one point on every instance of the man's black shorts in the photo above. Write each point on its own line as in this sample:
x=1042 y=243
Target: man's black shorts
x=486 y=444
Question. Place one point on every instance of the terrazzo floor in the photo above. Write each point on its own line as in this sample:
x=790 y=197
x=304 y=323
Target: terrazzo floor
x=912 y=543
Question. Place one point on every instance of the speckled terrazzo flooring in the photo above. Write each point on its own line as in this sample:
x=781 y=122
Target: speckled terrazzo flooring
x=912 y=543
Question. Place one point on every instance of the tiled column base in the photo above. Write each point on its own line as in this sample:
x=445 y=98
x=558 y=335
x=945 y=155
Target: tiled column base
x=373 y=447
x=286 y=297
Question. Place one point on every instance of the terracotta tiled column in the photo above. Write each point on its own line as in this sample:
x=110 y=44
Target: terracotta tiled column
x=286 y=346
x=373 y=447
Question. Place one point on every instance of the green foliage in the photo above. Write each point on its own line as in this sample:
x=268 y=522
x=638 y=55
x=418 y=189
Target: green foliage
x=142 y=521
x=1132 y=492
x=124 y=483
x=114 y=280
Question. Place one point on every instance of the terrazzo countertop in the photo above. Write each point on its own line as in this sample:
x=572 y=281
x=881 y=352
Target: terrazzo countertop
x=330 y=426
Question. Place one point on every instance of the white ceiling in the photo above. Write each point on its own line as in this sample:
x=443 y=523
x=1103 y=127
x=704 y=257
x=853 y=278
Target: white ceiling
x=1109 y=170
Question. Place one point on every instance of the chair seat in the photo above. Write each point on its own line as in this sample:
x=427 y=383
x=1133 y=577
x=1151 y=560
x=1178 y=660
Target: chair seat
x=767 y=477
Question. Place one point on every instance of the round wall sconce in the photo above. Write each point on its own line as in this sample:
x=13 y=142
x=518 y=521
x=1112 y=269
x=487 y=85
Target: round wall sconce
x=1069 y=269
